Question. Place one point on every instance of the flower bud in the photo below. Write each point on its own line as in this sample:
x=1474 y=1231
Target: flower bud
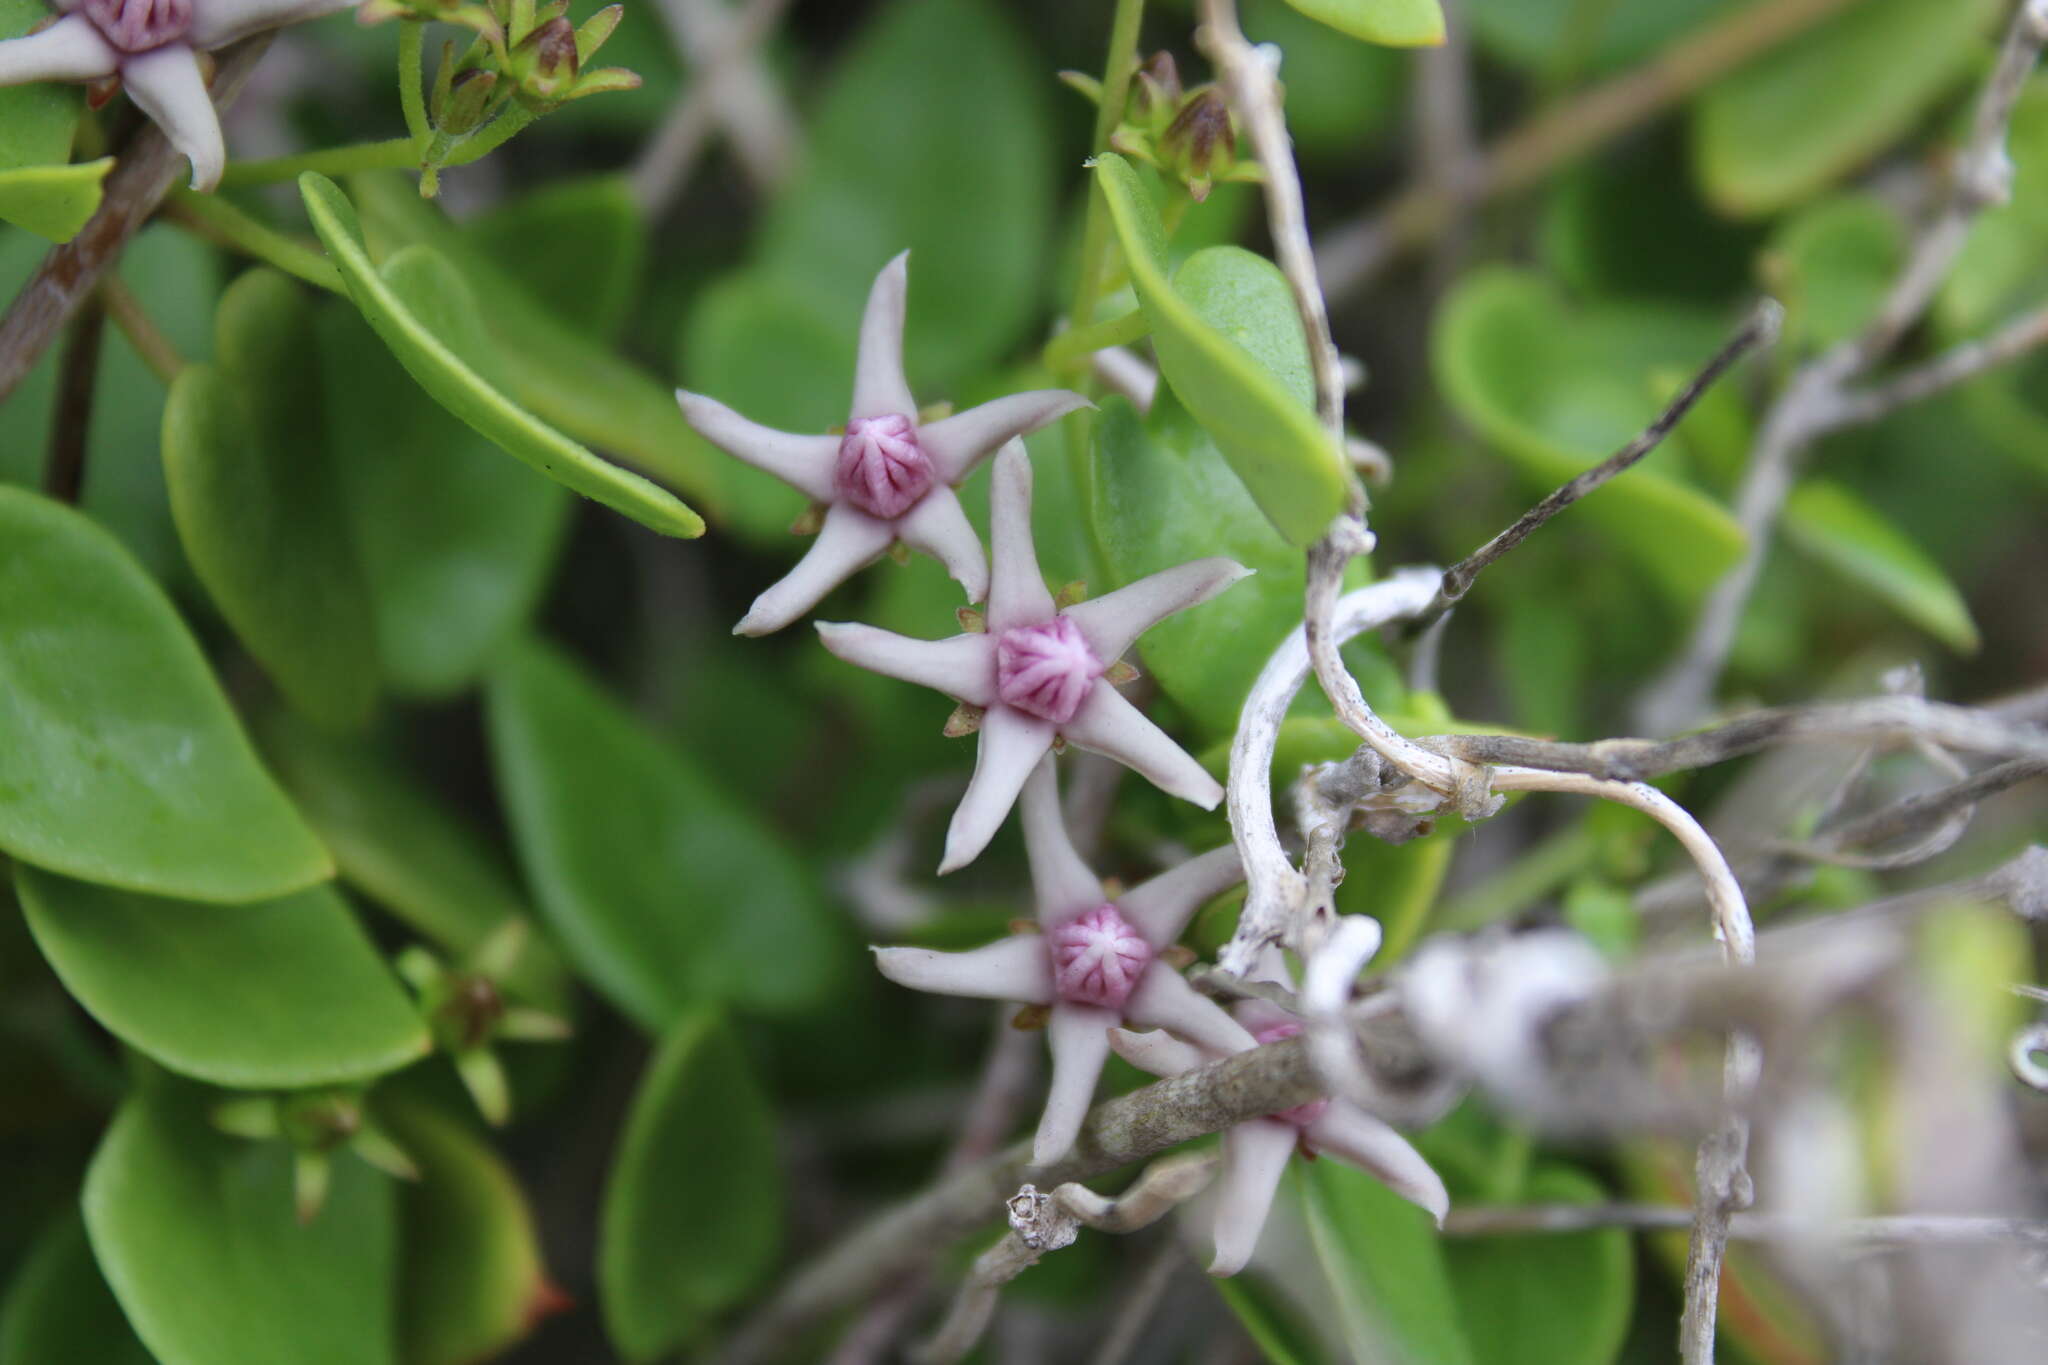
x=468 y=102
x=1200 y=143
x=1155 y=93
x=546 y=63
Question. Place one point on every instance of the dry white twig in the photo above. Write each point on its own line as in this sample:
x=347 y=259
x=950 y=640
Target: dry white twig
x=720 y=59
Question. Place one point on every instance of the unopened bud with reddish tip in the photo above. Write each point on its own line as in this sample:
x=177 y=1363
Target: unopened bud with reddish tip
x=1200 y=139
x=1155 y=93
x=546 y=63
x=468 y=103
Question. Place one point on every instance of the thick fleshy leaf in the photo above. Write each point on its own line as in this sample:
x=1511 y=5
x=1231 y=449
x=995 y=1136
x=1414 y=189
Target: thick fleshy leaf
x=404 y=848
x=1776 y=129
x=422 y=308
x=1556 y=389
x=1230 y=344
x=53 y=201
x=1833 y=525
x=1546 y=1300
x=36 y=121
x=1383 y=1264
x=120 y=761
x=197 y=1237
x=2000 y=269
x=1271 y=1322
x=660 y=885
x=279 y=994
x=256 y=502
x=1163 y=495
x=59 y=1307
x=456 y=547
x=1396 y=23
x=1557 y=38
x=471 y=1282
x=578 y=247
x=693 y=1207
x=1832 y=264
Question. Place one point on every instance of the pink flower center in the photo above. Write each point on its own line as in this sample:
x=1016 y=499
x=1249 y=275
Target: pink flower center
x=1046 y=669
x=1097 y=958
x=1301 y=1115
x=139 y=25
x=882 y=469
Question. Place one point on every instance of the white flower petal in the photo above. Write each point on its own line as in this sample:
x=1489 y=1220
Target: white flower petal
x=961 y=666
x=1112 y=621
x=1255 y=1155
x=939 y=527
x=1079 y=1038
x=1160 y=908
x=1063 y=884
x=69 y=50
x=1016 y=590
x=848 y=542
x=1011 y=745
x=1107 y=724
x=216 y=23
x=803 y=462
x=958 y=443
x=1350 y=1134
x=166 y=85
x=879 y=387
x=1157 y=1052
x=1165 y=1000
x=1014 y=968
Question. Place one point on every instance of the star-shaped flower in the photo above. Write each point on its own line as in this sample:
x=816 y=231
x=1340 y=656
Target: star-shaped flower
x=1037 y=671
x=1255 y=1152
x=889 y=478
x=1095 y=963
x=153 y=46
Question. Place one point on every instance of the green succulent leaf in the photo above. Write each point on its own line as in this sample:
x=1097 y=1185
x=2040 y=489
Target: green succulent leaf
x=1235 y=358
x=1556 y=389
x=423 y=309
x=1831 y=265
x=36 y=121
x=2000 y=269
x=1831 y=524
x=578 y=247
x=1383 y=1266
x=120 y=761
x=59 y=1307
x=661 y=887
x=196 y=1234
x=1546 y=1299
x=1396 y=23
x=1775 y=130
x=257 y=506
x=53 y=201
x=471 y=1281
x=699 y=1153
x=279 y=994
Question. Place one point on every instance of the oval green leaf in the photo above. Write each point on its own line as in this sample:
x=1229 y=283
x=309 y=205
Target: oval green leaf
x=1774 y=131
x=59 y=1308
x=471 y=1282
x=120 y=761
x=1546 y=1299
x=1383 y=1265
x=421 y=308
x=1261 y=421
x=256 y=502
x=698 y=1156
x=578 y=246
x=36 y=121
x=1557 y=389
x=661 y=887
x=1832 y=264
x=1829 y=523
x=197 y=1238
x=1395 y=23
x=53 y=201
x=279 y=994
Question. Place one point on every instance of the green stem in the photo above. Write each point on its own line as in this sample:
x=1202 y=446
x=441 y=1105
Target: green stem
x=1071 y=346
x=219 y=220
x=157 y=350
x=392 y=154
x=1116 y=89
x=411 y=96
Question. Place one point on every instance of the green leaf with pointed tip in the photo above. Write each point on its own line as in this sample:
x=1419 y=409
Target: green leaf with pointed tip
x=1218 y=346
x=578 y=247
x=36 y=121
x=59 y=1308
x=1776 y=129
x=471 y=1281
x=1383 y=1264
x=1163 y=496
x=53 y=201
x=407 y=850
x=257 y=506
x=1831 y=524
x=698 y=1155
x=196 y=1234
x=120 y=761
x=421 y=308
x=1557 y=389
x=659 y=884
x=278 y=994
x=1395 y=23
